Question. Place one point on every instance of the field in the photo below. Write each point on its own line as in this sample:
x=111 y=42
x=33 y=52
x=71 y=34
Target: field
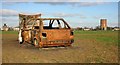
x=89 y=47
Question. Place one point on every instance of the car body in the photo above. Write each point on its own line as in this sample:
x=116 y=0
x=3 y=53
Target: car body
x=45 y=32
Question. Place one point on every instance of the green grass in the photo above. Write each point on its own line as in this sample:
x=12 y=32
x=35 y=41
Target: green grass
x=89 y=47
x=8 y=32
x=107 y=37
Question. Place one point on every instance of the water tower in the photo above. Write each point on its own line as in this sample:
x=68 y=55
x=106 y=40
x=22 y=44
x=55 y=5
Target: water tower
x=103 y=24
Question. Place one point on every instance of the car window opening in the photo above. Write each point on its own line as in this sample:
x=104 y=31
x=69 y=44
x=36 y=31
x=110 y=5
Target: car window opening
x=54 y=24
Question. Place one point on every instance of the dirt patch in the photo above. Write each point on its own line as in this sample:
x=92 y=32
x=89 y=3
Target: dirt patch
x=82 y=51
x=0 y=48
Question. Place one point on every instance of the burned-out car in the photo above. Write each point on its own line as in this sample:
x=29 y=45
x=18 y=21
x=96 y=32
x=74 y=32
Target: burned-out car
x=44 y=32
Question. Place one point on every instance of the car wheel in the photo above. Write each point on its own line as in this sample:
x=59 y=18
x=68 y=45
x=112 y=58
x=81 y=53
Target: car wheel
x=21 y=42
x=36 y=43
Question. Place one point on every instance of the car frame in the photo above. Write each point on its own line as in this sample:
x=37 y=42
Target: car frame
x=56 y=33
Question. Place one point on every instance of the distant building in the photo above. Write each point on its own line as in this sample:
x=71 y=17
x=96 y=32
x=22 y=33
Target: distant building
x=103 y=24
x=86 y=29
x=116 y=29
x=5 y=28
x=16 y=28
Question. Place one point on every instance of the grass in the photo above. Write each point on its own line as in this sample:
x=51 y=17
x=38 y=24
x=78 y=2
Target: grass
x=101 y=46
x=89 y=47
x=8 y=32
x=107 y=37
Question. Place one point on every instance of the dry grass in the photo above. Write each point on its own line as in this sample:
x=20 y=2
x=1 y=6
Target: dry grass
x=89 y=47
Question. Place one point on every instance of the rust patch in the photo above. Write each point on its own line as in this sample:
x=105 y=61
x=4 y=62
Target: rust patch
x=35 y=31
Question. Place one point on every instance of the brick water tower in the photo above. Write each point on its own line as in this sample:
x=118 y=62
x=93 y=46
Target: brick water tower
x=103 y=24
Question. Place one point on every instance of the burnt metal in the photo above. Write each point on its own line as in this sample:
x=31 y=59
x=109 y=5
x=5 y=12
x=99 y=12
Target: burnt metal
x=56 y=33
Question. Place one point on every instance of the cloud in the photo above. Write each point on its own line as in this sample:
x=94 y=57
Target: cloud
x=90 y=3
x=113 y=24
x=57 y=2
x=60 y=0
x=12 y=13
x=10 y=19
x=41 y=0
x=96 y=17
x=8 y=12
x=15 y=0
x=74 y=4
x=61 y=14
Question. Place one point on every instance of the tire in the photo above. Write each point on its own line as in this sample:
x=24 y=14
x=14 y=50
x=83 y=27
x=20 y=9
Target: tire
x=36 y=43
x=21 y=42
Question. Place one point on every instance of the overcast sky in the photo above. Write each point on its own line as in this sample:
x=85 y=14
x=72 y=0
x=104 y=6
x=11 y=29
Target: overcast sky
x=75 y=12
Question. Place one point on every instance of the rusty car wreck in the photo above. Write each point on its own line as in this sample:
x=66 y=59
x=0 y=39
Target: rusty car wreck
x=44 y=32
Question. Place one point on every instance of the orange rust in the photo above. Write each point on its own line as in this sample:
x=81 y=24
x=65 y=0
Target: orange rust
x=56 y=33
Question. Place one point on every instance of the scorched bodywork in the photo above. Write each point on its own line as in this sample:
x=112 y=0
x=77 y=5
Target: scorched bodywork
x=44 y=32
